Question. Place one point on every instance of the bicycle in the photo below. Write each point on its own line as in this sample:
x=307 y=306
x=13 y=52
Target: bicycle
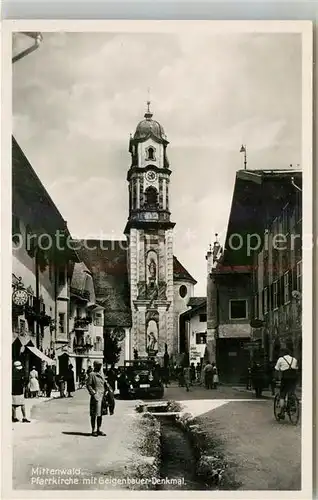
x=291 y=407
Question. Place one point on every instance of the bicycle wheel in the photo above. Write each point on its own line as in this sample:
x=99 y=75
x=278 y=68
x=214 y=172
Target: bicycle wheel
x=277 y=408
x=293 y=409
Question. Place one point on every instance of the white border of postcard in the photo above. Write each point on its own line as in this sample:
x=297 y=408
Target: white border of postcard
x=304 y=28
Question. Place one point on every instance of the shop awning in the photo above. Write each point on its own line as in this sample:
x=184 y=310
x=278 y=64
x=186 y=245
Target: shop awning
x=40 y=355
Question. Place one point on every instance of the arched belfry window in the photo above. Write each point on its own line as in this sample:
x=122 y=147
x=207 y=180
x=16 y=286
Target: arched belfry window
x=150 y=153
x=151 y=196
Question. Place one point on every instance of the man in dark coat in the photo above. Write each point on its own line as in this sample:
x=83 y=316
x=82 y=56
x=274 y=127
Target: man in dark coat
x=49 y=381
x=70 y=381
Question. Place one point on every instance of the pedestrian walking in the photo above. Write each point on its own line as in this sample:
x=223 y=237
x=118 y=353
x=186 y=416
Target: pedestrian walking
x=187 y=377
x=198 y=372
x=192 y=373
x=208 y=375
x=258 y=377
x=49 y=381
x=34 y=385
x=18 y=386
x=180 y=374
x=61 y=385
x=82 y=378
x=215 y=379
x=96 y=386
x=70 y=381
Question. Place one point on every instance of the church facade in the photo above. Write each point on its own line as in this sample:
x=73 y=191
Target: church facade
x=140 y=283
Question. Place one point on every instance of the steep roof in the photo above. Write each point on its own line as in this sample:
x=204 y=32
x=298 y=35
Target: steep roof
x=180 y=273
x=258 y=197
x=198 y=309
x=196 y=301
x=107 y=261
x=27 y=186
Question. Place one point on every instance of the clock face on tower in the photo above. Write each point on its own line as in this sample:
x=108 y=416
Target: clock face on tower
x=151 y=176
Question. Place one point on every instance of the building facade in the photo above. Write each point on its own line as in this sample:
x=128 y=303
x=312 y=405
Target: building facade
x=193 y=328
x=255 y=284
x=40 y=266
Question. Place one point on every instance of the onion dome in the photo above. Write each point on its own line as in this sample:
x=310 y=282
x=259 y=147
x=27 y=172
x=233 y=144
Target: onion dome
x=149 y=127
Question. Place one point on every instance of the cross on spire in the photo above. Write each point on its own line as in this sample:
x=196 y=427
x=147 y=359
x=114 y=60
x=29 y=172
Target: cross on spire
x=148 y=114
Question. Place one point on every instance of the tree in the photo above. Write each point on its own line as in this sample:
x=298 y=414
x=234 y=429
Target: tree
x=112 y=347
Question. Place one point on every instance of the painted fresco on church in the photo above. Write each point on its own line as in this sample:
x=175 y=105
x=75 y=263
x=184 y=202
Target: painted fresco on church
x=152 y=336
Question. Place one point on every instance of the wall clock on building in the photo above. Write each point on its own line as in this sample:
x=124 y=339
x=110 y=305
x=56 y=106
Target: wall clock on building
x=151 y=176
x=20 y=297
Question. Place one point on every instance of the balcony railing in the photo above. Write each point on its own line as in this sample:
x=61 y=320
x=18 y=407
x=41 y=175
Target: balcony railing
x=82 y=323
x=84 y=294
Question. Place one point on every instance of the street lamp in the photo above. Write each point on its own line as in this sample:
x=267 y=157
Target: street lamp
x=37 y=37
x=295 y=185
x=243 y=150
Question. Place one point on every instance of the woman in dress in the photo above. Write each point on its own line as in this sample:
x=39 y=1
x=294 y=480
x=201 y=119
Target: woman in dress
x=34 y=385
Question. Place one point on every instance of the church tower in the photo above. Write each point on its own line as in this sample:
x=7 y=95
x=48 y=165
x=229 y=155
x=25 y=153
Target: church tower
x=150 y=237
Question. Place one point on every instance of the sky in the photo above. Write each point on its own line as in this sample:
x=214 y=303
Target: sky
x=79 y=96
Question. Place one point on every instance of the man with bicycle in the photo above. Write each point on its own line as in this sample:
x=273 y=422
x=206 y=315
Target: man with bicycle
x=287 y=370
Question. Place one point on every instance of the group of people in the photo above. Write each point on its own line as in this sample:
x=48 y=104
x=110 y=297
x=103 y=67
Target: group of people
x=34 y=385
x=191 y=375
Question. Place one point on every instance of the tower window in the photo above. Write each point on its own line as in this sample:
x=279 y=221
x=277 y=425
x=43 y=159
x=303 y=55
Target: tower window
x=151 y=197
x=151 y=153
x=183 y=291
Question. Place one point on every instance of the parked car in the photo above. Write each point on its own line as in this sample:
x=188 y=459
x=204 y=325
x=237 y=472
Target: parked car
x=144 y=378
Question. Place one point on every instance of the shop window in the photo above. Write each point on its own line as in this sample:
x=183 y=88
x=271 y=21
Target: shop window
x=202 y=318
x=200 y=338
x=238 y=309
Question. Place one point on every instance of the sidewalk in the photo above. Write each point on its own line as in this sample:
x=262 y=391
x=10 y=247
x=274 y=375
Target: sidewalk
x=267 y=394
